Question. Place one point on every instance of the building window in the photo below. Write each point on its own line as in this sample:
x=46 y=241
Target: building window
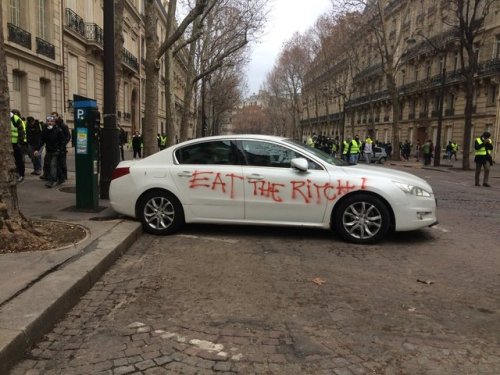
x=126 y=98
x=455 y=62
x=497 y=47
x=492 y=95
x=42 y=24
x=416 y=72
x=72 y=76
x=16 y=82
x=143 y=90
x=15 y=13
x=91 y=81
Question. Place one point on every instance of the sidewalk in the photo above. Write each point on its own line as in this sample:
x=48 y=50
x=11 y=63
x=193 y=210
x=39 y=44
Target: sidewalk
x=39 y=287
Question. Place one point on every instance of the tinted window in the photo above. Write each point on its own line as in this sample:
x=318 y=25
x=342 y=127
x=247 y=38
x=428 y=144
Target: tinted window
x=266 y=154
x=213 y=152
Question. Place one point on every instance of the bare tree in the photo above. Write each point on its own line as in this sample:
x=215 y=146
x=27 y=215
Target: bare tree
x=226 y=30
x=14 y=227
x=467 y=18
x=154 y=52
x=288 y=77
x=119 y=41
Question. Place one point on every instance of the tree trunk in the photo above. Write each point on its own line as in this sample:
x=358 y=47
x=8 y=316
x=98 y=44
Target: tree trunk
x=393 y=93
x=119 y=6
x=152 y=67
x=169 y=77
x=188 y=90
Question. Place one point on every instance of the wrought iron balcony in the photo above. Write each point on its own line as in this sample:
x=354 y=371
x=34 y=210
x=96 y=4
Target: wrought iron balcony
x=94 y=33
x=130 y=60
x=75 y=22
x=45 y=48
x=19 y=36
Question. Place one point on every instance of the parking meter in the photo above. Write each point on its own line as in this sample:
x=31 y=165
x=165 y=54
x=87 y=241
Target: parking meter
x=87 y=131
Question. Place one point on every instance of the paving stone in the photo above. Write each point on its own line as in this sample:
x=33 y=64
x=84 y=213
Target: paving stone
x=222 y=366
x=123 y=370
x=160 y=361
x=145 y=365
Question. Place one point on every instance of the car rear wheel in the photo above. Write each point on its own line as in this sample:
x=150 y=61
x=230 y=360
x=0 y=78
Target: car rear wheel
x=382 y=160
x=362 y=218
x=160 y=212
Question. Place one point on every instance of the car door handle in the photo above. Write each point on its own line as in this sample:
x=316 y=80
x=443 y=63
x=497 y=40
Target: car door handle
x=255 y=176
x=185 y=174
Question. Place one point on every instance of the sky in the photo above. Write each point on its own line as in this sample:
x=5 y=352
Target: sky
x=285 y=18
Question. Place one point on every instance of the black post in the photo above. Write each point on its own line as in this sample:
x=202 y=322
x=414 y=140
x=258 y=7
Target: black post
x=437 y=148
x=110 y=154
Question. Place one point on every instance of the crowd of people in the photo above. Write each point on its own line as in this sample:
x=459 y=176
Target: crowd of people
x=30 y=136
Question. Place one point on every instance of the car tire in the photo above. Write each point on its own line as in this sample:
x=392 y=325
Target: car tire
x=382 y=160
x=362 y=219
x=160 y=212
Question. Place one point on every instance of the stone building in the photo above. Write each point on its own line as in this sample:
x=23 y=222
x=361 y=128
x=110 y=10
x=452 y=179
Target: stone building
x=342 y=99
x=54 y=50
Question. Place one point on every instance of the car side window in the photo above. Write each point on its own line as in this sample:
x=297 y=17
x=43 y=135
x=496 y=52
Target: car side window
x=211 y=152
x=266 y=154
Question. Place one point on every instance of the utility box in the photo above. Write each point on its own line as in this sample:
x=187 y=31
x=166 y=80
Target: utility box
x=87 y=131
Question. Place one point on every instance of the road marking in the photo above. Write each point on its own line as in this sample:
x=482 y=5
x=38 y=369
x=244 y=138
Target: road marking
x=209 y=238
x=444 y=230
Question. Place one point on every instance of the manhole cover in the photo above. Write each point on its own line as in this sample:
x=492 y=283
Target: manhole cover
x=68 y=189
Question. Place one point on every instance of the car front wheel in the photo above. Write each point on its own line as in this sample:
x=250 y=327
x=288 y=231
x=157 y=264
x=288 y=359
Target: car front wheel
x=160 y=212
x=362 y=218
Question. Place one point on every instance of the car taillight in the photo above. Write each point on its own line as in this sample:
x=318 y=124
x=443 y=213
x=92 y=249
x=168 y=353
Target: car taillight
x=119 y=172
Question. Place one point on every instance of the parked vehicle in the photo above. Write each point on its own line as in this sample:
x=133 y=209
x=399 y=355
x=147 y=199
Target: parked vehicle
x=378 y=156
x=267 y=180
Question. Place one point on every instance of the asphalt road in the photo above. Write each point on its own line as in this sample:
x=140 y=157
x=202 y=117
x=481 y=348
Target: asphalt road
x=254 y=300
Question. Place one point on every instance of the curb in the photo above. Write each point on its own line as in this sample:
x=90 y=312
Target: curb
x=33 y=313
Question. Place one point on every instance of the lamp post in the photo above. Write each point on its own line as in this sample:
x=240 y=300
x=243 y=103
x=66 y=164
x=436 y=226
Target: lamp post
x=443 y=51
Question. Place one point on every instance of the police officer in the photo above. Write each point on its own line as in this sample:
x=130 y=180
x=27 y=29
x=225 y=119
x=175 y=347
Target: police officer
x=483 y=147
x=163 y=141
x=18 y=140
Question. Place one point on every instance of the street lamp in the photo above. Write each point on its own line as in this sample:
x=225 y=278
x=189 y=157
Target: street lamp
x=443 y=51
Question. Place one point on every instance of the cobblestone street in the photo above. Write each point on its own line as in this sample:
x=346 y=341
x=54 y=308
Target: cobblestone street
x=253 y=300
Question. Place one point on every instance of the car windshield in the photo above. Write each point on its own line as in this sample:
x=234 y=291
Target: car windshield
x=318 y=153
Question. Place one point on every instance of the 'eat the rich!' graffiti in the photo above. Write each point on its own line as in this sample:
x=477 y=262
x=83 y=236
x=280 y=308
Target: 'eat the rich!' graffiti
x=305 y=190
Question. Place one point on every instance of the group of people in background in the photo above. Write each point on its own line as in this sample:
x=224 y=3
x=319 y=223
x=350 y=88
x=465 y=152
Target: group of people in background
x=30 y=136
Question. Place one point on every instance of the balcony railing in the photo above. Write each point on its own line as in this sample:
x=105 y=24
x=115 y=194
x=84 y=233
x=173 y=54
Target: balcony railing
x=75 y=22
x=130 y=60
x=45 y=48
x=94 y=33
x=19 y=36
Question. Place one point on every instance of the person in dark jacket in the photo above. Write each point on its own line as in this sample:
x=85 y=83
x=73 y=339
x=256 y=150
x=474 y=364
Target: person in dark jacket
x=55 y=142
x=33 y=136
x=137 y=144
x=63 y=168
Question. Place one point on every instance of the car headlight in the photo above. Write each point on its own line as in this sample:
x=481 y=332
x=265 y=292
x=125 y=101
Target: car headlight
x=413 y=190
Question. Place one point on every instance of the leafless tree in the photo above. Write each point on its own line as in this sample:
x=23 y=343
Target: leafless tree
x=467 y=18
x=14 y=227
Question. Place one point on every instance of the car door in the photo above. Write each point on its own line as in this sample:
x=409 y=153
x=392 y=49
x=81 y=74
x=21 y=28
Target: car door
x=208 y=176
x=276 y=192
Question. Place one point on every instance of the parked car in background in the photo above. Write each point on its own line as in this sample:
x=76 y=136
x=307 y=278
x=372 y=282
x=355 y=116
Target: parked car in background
x=267 y=180
x=378 y=156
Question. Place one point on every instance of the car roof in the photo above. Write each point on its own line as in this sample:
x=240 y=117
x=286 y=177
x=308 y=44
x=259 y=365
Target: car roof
x=234 y=136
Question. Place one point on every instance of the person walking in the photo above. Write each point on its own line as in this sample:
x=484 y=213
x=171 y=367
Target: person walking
x=33 y=137
x=418 y=150
x=122 y=140
x=427 y=152
x=454 y=150
x=483 y=159
x=137 y=144
x=368 y=150
x=63 y=168
x=55 y=142
x=18 y=140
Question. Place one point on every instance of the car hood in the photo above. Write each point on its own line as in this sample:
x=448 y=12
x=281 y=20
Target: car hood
x=386 y=173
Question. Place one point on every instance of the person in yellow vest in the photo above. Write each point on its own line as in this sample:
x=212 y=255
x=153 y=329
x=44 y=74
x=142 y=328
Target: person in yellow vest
x=18 y=140
x=345 y=148
x=353 y=150
x=454 y=150
x=310 y=142
x=163 y=141
x=483 y=147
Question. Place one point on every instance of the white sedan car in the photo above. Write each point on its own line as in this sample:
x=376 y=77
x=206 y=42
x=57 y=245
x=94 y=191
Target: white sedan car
x=267 y=180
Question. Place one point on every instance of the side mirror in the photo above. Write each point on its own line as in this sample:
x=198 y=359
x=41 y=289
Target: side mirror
x=300 y=163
